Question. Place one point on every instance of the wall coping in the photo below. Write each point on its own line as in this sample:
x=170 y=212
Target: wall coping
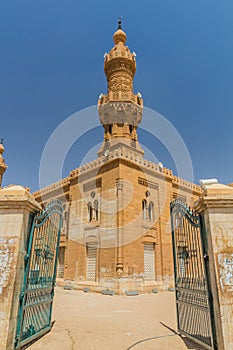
x=17 y=197
x=215 y=196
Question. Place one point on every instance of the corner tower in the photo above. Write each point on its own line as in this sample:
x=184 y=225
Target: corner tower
x=3 y=165
x=120 y=110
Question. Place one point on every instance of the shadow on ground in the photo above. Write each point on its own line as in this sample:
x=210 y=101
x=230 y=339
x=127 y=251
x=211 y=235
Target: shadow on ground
x=188 y=342
x=39 y=337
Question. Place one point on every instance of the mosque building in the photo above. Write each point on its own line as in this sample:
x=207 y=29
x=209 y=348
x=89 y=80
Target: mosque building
x=116 y=233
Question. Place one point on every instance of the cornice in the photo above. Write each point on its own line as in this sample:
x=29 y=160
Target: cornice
x=53 y=187
x=213 y=202
x=128 y=156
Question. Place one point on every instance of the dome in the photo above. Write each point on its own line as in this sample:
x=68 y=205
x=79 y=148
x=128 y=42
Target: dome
x=119 y=37
x=1 y=148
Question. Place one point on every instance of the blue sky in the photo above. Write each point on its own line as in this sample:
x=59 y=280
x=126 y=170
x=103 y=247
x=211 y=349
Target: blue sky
x=51 y=66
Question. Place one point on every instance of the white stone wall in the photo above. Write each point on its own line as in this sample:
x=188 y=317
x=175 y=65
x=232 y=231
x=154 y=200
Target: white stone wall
x=15 y=205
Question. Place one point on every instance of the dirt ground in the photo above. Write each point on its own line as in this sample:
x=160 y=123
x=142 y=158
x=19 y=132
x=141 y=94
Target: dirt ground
x=85 y=321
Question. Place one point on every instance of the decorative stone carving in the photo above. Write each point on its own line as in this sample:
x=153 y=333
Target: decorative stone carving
x=146 y=183
x=119 y=185
x=92 y=185
x=120 y=84
x=120 y=112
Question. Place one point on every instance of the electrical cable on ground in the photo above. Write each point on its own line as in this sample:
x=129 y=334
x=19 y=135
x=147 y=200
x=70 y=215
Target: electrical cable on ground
x=146 y=339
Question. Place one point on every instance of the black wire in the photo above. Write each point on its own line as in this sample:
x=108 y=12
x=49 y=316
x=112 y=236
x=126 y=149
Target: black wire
x=146 y=339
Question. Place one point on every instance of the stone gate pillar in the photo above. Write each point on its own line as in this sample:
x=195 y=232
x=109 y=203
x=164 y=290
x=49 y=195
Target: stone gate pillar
x=216 y=205
x=16 y=205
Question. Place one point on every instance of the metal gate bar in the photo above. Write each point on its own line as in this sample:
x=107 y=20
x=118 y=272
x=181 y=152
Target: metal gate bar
x=193 y=293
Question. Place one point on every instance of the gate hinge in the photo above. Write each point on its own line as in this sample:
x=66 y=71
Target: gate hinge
x=16 y=340
x=26 y=259
x=21 y=296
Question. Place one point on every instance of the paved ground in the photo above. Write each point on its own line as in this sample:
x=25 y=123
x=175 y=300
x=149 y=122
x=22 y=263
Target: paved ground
x=85 y=321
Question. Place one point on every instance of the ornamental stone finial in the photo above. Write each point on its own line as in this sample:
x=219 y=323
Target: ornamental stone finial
x=120 y=22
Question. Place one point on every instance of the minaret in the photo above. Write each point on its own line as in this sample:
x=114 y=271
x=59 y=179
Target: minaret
x=120 y=111
x=3 y=165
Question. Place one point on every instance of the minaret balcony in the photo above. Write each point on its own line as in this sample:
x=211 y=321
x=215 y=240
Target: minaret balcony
x=121 y=96
x=120 y=112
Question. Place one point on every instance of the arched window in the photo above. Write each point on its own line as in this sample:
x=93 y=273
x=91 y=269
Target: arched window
x=144 y=209
x=96 y=208
x=89 y=211
x=151 y=211
x=148 y=210
x=93 y=211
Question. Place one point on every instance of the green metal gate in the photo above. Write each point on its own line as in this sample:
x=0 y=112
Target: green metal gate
x=195 y=316
x=36 y=298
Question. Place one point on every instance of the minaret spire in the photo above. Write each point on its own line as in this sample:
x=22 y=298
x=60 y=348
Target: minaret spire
x=120 y=22
x=120 y=110
x=3 y=165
